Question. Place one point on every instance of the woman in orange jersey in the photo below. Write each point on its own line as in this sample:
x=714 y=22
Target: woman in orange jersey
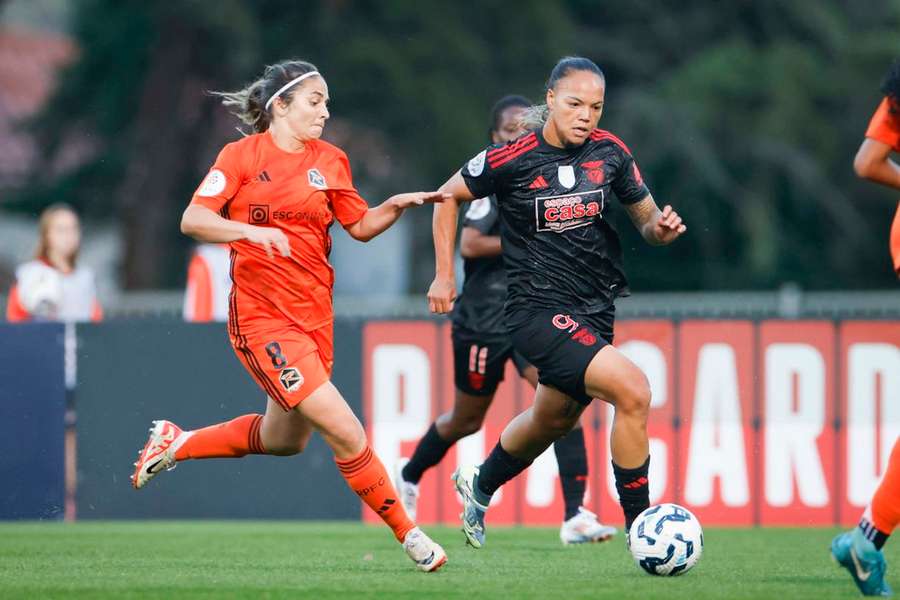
x=273 y=196
x=873 y=159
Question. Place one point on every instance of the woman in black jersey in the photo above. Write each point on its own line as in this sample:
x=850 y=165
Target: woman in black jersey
x=481 y=348
x=564 y=269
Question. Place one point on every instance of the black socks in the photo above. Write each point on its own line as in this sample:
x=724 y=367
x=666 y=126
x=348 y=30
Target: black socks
x=634 y=490
x=429 y=452
x=573 y=469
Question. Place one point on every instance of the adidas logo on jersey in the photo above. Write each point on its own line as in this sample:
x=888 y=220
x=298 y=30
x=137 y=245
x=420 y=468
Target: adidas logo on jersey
x=264 y=176
x=538 y=183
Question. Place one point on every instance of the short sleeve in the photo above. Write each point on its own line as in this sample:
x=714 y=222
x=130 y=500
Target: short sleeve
x=479 y=175
x=481 y=215
x=348 y=206
x=223 y=180
x=628 y=184
x=15 y=310
x=885 y=126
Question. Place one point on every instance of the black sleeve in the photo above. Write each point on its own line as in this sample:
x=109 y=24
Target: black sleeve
x=482 y=215
x=628 y=184
x=480 y=178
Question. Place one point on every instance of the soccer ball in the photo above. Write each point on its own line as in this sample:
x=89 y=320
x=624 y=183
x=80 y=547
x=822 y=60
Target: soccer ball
x=666 y=540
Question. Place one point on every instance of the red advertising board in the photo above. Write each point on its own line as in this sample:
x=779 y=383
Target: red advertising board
x=869 y=410
x=717 y=470
x=797 y=408
x=771 y=423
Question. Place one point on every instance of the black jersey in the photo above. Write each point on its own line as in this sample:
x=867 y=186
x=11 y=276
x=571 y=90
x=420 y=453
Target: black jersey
x=480 y=305
x=558 y=249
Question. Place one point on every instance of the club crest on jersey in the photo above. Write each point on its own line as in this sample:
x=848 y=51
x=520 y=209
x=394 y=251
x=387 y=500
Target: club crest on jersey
x=566 y=176
x=594 y=171
x=291 y=379
x=316 y=179
x=567 y=211
x=476 y=165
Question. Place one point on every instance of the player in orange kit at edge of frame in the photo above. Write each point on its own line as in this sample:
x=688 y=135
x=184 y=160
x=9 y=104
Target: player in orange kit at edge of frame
x=273 y=196
x=859 y=551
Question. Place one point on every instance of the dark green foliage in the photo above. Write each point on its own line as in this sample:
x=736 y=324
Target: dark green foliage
x=744 y=115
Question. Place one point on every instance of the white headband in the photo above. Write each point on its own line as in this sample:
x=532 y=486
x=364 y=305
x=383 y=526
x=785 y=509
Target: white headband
x=288 y=86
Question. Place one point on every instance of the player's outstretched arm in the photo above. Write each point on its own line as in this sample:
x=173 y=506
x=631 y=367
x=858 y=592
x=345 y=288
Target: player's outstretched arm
x=873 y=162
x=378 y=219
x=205 y=225
x=442 y=292
x=658 y=227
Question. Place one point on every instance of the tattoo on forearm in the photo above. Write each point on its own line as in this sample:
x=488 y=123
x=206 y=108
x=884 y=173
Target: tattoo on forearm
x=644 y=214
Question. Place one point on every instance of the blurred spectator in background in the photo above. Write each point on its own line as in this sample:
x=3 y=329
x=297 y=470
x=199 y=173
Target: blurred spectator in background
x=52 y=287
x=873 y=160
x=208 y=284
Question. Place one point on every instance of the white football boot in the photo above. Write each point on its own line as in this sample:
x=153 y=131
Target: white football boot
x=409 y=492
x=158 y=454
x=426 y=553
x=584 y=528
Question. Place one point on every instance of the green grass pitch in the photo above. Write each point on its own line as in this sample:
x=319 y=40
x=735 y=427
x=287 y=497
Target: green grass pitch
x=349 y=560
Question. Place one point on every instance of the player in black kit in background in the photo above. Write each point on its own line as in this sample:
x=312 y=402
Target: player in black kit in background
x=481 y=347
x=564 y=269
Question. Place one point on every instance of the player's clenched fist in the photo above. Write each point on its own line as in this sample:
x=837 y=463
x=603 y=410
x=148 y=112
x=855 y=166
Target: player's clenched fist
x=441 y=295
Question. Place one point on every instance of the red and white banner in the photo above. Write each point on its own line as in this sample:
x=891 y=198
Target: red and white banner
x=772 y=423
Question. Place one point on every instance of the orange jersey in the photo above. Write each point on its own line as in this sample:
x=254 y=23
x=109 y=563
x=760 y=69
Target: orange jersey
x=885 y=126
x=253 y=181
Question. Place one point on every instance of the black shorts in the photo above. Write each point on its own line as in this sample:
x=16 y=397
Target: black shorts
x=561 y=344
x=479 y=360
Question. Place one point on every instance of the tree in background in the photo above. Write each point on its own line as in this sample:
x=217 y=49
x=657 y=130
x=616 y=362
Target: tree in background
x=745 y=114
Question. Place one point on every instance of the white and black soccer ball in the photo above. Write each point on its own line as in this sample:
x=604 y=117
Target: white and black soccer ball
x=666 y=540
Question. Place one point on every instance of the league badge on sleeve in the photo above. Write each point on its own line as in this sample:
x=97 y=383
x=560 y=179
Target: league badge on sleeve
x=316 y=179
x=213 y=185
x=476 y=165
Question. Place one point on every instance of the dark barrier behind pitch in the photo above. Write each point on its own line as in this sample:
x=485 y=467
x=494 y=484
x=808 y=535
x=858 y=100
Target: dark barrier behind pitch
x=133 y=372
x=32 y=421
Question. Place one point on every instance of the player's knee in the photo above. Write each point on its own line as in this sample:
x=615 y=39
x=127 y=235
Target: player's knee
x=350 y=436
x=463 y=426
x=285 y=449
x=557 y=425
x=634 y=399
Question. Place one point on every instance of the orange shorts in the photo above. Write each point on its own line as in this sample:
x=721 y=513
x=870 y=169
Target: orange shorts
x=287 y=363
x=895 y=241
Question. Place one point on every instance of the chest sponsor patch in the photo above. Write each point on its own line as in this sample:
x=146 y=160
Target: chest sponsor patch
x=316 y=179
x=568 y=211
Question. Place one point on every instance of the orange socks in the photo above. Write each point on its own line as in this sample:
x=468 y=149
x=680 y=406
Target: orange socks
x=366 y=476
x=234 y=438
x=886 y=501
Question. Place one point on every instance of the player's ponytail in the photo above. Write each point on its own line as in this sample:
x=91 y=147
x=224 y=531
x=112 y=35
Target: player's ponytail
x=534 y=117
x=250 y=104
